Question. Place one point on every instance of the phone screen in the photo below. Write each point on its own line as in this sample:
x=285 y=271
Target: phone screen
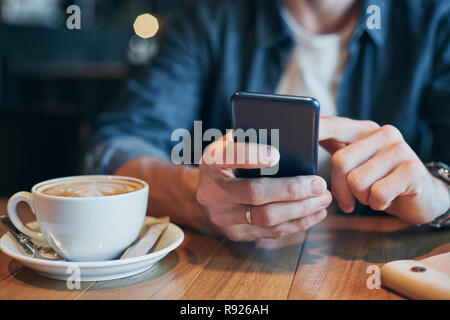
x=295 y=121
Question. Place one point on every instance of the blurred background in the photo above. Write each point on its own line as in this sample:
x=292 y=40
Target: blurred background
x=54 y=81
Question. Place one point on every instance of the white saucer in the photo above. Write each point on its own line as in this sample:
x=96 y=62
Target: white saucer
x=94 y=271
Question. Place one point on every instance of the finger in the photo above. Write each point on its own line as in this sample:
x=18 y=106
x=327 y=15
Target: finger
x=260 y=191
x=298 y=225
x=365 y=147
x=226 y=154
x=344 y=130
x=363 y=177
x=273 y=213
x=246 y=232
x=332 y=146
x=341 y=190
x=354 y=155
x=399 y=182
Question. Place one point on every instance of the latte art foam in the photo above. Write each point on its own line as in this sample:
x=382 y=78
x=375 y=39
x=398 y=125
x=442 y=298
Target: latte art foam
x=91 y=188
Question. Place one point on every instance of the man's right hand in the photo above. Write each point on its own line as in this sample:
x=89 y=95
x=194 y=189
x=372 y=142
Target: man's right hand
x=279 y=206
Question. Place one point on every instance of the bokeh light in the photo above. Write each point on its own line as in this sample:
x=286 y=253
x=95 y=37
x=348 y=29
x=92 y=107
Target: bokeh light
x=146 y=25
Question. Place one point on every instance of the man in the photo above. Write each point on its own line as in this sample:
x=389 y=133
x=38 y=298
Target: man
x=393 y=78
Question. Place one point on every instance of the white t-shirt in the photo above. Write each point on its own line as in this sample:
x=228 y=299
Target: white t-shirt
x=314 y=70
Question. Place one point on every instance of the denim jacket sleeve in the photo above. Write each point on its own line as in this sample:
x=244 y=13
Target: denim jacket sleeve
x=436 y=107
x=167 y=96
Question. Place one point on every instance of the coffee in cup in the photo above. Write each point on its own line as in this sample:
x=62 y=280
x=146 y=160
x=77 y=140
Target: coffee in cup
x=85 y=218
x=91 y=187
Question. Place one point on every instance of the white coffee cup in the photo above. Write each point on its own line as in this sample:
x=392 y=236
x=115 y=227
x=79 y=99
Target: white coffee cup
x=87 y=228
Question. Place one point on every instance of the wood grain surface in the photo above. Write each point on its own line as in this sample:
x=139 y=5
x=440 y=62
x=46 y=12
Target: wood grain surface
x=329 y=261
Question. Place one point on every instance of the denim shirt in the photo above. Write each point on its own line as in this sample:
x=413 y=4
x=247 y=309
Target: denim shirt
x=398 y=74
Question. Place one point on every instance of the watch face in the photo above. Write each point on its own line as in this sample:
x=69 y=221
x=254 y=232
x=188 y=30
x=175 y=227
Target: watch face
x=443 y=172
x=440 y=170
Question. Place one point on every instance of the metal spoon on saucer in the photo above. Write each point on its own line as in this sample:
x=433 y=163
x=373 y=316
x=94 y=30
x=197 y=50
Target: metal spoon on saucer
x=27 y=245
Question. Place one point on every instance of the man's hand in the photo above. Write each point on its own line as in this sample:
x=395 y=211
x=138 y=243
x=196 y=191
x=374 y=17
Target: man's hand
x=380 y=170
x=279 y=206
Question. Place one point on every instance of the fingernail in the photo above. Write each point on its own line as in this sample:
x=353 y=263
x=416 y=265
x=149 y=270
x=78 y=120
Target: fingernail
x=346 y=209
x=318 y=186
x=265 y=154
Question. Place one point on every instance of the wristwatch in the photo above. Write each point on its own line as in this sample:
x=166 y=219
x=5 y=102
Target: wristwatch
x=442 y=171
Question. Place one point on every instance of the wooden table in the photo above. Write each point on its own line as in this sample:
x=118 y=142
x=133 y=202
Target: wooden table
x=329 y=261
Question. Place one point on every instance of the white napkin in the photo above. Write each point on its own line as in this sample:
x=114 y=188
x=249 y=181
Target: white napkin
x=148 y=240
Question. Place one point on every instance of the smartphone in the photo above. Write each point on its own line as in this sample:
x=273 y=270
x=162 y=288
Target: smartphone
x=295 y=122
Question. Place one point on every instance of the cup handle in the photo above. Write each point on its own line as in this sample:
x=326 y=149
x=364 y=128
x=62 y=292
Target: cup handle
x=12 y=213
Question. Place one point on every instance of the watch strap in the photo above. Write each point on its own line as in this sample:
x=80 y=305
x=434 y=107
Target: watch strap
x=442 y=171
x=441 y=221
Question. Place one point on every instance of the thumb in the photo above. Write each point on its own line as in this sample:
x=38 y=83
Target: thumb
x=227 y=154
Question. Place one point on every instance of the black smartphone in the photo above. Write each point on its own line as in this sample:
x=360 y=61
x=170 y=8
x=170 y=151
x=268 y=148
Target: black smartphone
x=289 y=123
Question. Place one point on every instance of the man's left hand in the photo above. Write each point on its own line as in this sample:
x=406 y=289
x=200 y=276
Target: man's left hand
x=382 y=171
